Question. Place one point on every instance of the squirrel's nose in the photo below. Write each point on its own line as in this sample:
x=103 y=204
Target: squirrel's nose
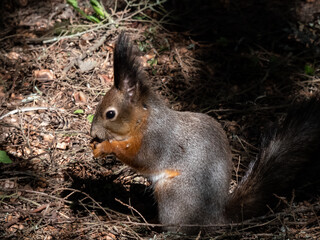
x=97 y=133
x=93 y=131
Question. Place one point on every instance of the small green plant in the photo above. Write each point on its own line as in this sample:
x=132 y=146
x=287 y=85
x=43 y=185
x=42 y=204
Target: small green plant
x=4 y=158
x=309 y=69
x=90 y=118
x=152 y=62
x=78 y=111
x=143 y=46
x=97 y=7
x=222 y=41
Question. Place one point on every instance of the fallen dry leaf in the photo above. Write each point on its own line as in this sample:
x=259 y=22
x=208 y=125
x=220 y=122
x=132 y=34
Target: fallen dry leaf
x=48 y=138
x=43 y=75
x=13 y=55
x=41 y=25
x=86 y=66
x=149 y=56
x=146 y=58
x=83 y=43
x=110 y=47
x=163 y=59
x=8 y=218
x=62 y=145
x=16 y=97
x=13 y=228
x=2 y=94
x=80 y=97
x=21 y=227
x=105 y=79
x=39 y=151
x=9 y=184
x=88 y=36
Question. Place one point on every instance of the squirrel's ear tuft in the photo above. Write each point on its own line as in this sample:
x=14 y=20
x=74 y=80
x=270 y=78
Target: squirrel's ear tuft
x=128 y=75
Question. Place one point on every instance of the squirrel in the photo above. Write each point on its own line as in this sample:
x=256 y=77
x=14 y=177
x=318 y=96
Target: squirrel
x=187 y=156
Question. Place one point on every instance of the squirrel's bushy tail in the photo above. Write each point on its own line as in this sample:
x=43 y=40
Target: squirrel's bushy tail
x=289 y=158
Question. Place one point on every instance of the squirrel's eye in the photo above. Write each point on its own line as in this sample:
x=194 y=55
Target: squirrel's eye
x=111 y=114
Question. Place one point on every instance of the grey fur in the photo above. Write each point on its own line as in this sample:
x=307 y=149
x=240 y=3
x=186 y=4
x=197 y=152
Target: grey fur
x=195 y=146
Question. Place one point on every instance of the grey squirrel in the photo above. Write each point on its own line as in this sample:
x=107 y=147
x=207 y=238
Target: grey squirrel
x=187 y=156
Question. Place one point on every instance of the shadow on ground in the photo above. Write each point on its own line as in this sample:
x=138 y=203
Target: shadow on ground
x=251 y=50
x=111 y=194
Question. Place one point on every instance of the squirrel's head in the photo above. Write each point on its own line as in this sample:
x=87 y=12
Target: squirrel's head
x=123 y=107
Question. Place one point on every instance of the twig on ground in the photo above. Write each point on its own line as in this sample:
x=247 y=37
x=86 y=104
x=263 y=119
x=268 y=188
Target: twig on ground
x=132 y=208
x=251 y=109
x=88 y=196
x=93 y=48
x=27 y=109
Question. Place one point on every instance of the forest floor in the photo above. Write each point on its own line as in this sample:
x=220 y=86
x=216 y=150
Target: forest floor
x=243 y=63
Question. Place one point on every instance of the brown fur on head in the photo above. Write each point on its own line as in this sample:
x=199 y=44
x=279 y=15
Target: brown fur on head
x=123 y=107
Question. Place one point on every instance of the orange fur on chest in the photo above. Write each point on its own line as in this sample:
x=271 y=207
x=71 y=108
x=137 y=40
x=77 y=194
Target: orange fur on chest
x=125 y=150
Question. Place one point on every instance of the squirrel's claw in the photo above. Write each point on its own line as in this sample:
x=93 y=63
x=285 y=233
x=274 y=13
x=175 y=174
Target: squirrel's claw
x=99 y=149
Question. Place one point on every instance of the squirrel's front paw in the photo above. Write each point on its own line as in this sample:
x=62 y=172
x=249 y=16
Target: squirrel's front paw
x=100 y=149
